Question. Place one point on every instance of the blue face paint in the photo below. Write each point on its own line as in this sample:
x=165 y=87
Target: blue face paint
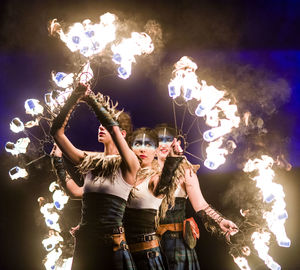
x=164 y=137
x=143 y=141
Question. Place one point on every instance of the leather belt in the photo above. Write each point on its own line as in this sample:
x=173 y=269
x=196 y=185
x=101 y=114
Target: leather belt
x=143 y=245
x=142 y=238
x=116 y=230
x=173 y=227
x=118 y=241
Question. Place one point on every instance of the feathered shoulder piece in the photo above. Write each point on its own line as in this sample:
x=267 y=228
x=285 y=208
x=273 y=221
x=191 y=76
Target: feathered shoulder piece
x=173 y=178
x=148 y=171
x=100 y=164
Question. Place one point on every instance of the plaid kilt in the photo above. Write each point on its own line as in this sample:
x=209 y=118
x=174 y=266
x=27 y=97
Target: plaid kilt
x=179 y=255
x=149 y=259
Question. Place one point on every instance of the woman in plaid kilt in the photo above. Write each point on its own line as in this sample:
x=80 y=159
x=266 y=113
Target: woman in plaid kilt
x=178 y=235
x=140 y=219
x=108 y=179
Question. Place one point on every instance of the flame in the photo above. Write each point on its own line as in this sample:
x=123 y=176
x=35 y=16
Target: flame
x=16 y=125
x=62 y=79
x=212 y=103
x=51 y=258
x=60 y=199
x=184 y=78
x=87 y=38
x=275 y=218
x=33 y=107
x=215 y=154
x=124 y=53
x=17 y=172
x=261 y=242
x=19 y=147
x=52 y=241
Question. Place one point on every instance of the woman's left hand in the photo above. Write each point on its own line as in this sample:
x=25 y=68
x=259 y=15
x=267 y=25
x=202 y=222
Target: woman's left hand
x=176 y=149
x=228 y=228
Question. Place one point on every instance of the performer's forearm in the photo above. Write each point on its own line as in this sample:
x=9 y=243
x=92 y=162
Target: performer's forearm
x=60 y=122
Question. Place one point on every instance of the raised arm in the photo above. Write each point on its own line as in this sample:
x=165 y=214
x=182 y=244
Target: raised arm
x=60 y=122
x=70 y=186
x=104 y=112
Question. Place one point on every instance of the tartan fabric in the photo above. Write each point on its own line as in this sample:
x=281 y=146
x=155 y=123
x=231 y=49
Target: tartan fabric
x=101 y=213
x=178 y=254
x=150 y=259
x=139 y=222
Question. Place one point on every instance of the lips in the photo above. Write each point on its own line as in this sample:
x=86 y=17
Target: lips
x=101 y=133
x=142 y=156
x=164 y=151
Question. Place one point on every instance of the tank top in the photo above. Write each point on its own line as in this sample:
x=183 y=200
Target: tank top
x=116 y=186
x=143 y=197
x=180 y=192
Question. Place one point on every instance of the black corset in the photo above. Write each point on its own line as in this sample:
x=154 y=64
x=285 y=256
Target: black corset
x=139 y=221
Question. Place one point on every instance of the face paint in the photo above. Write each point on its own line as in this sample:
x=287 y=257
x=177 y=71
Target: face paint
x=164 y=137
x=143 y=141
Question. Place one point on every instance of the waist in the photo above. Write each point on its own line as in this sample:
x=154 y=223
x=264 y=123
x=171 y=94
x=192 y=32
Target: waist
x=102 y=211
x=136 y=247
x=139 y=221
x=142 y=238
x=172 y=227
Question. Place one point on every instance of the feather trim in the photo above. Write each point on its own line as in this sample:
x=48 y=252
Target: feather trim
x=100 y=165
x=108 y=104
x=169 y=200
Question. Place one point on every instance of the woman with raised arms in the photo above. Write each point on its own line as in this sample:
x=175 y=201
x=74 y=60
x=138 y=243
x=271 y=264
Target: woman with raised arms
x=108 y=180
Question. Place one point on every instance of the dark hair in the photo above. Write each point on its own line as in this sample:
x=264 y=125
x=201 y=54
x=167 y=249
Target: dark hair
x=166 y=126
x=148 y=131
x=125 y=123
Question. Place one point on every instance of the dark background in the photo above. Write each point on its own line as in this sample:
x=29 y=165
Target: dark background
x=249 y=48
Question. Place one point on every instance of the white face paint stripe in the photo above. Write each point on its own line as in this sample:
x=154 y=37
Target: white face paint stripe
x=143 y=141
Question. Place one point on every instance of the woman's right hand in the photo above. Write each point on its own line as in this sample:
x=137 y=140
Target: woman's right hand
x=56 y=152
